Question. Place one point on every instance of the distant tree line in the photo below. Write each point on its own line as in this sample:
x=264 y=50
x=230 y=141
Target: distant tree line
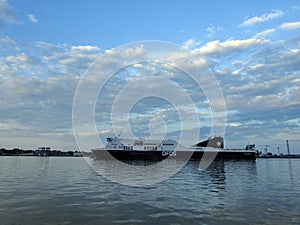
x=21 y=152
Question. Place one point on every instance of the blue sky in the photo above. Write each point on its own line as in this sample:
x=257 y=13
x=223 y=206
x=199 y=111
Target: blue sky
x=111 y=23
x=252 y=48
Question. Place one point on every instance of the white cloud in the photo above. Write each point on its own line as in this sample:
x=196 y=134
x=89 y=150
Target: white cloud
x=79 y=57
x=211 y=29
x=263 y=18
x=236 y=72
x=21 y=58
x=137 y=65
x=223 y=71
x=234 y=124
x=190 y=43
x=264 y=33
x=290 y=25
x=8 y=14
x=87 y=48
x=32 y=18
x=217 y=47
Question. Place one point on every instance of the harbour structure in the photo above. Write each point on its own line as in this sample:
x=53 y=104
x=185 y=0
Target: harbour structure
x=43 y=151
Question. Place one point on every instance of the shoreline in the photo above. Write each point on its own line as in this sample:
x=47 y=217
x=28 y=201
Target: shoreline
x=290 y=156
x=47 y=153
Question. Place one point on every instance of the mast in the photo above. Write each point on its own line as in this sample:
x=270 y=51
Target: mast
x=287 y=146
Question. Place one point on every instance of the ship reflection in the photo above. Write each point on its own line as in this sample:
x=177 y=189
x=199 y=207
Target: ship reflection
x=216 y=170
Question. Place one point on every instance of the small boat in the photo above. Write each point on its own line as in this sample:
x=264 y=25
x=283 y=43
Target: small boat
x=141 y=149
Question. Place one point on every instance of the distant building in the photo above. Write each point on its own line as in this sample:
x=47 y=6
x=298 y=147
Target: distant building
x=77 y=154
x=43 y=151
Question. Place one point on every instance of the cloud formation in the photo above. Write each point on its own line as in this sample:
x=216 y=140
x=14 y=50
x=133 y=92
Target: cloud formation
x=211 y=29
x=217 y=47
x=264 y=33
x=8 y=14
x=38 y=83
x=37 y=86
x=32 y=18
x=263 y=18
x=290 y=25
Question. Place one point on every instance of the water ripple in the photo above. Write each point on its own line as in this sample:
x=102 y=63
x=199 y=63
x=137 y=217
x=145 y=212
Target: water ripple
x=67 y=191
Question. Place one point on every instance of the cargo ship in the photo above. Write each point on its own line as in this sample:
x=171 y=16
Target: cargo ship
x=142 y=149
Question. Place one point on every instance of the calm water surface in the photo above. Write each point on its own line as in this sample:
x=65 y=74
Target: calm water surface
x=36 y=190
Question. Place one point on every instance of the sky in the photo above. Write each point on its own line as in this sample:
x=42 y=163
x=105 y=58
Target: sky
x=251 y=48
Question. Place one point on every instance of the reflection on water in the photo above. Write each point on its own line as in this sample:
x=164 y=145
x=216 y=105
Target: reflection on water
x=291 y=172
x=67 y=191
x=137 y=172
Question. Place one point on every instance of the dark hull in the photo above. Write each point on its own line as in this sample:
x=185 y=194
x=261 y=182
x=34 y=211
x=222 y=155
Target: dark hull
x=180 y=155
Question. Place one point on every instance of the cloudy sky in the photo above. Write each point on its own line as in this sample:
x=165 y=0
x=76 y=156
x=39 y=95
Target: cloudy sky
x=252 y=50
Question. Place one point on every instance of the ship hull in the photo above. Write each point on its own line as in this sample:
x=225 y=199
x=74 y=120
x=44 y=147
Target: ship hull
x=180 y=155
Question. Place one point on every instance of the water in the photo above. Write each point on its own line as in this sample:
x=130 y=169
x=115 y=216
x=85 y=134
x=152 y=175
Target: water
x=36 y=190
